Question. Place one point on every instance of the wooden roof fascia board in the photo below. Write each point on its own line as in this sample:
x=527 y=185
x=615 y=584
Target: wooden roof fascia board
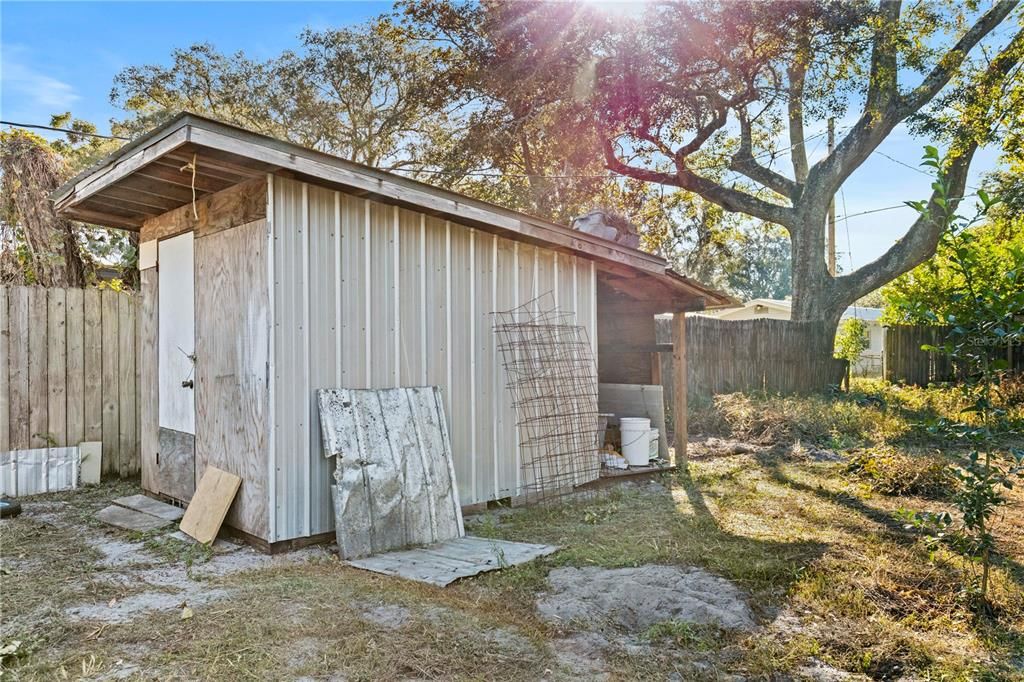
x=122 y=167
x=426 y=198
x=188 y=128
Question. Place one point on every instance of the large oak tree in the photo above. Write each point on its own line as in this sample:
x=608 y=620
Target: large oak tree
x=680 y=91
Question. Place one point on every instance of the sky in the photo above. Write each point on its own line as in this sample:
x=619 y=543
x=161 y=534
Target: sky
x=58 y=56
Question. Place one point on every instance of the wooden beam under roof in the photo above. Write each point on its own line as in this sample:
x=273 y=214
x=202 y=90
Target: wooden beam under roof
x=135 y=198
x=87 y=215
x=203 y=183
x=119 y=167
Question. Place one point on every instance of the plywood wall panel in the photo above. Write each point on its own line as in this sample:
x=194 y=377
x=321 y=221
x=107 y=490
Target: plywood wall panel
x=232 y=340
x=149 y=410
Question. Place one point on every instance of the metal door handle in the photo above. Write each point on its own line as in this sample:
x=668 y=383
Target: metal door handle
x=187 y=384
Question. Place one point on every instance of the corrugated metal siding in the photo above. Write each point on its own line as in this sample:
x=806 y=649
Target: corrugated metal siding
x=427 y=288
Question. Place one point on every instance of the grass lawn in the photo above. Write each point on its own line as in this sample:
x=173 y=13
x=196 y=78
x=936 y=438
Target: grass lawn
x=832 y=576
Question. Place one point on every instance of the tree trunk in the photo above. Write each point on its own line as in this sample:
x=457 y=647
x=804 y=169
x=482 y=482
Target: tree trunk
x=816 y=310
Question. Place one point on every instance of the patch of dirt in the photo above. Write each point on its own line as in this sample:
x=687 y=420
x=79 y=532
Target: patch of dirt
x=128 y=564
x=507 y=639
x=389 y=616
x=169 y=585
x=722 y=447
x=819 y=671
x=634 y=599
x=583 y=654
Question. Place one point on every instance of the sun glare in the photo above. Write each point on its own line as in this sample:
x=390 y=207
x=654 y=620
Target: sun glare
x=617 y=7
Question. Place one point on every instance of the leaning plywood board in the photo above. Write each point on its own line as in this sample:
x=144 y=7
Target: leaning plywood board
x=209 y=504
x=92 y=454
x=395 y=477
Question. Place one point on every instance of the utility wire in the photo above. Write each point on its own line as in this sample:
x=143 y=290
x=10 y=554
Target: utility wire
x=63 y=130
x=537 y=175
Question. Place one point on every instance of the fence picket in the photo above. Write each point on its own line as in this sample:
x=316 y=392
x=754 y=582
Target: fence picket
x=68 y=371
x=5 y=397
x=38 y=393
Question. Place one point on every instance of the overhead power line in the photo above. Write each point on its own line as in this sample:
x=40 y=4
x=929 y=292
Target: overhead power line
x=537 y=175
x=62 y=130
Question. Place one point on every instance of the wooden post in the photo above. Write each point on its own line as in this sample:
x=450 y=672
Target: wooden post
x=679 y=385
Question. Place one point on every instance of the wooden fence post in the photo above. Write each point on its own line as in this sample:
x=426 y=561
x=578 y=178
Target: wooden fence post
x=679 y=397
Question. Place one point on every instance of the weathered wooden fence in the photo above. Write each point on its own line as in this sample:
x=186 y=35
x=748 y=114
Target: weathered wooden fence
x=68 y=372
x=725 y=356
x=905 y=361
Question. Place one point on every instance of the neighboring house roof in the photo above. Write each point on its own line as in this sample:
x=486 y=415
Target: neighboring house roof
x=151 y=175
x=872 y=315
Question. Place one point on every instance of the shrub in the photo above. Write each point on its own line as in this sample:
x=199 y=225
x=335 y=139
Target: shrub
x=770 y=420
x=892 y=472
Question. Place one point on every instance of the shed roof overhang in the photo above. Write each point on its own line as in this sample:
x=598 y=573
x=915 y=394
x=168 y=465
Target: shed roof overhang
x=190 y=156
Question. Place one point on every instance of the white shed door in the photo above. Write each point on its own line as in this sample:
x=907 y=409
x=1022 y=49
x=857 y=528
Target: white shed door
x=177 y=334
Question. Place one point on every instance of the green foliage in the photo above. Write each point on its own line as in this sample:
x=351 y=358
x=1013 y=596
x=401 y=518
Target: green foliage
x=852 y=339
x=936 y=290
x=761 y=265
x=982 y=320
x=38 y=247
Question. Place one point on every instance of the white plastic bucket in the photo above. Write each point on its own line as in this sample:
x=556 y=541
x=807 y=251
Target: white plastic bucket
x=636 y=440
x=653 y=451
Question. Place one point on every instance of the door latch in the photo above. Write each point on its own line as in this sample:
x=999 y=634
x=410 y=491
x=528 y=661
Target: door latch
x=188 y=384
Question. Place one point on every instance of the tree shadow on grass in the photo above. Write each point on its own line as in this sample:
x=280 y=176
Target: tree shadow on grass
x=768 y=567
x=894 y=529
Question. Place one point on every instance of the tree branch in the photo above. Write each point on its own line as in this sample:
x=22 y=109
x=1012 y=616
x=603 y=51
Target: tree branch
x=951 y=61
x=729 y=199
x=916 y=246
x=743 y=162
x=704 y=132
x=874 y=126
x=921 y=240
x=883 y=83
x=797 y=72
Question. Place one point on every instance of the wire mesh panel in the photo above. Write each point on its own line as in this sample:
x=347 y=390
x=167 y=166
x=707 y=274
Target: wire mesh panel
x=552 y=375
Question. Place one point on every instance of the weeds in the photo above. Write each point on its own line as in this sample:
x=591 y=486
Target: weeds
x=891 y=471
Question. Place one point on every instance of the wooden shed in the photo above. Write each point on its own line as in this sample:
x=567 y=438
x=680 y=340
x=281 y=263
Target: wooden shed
x=269 y=270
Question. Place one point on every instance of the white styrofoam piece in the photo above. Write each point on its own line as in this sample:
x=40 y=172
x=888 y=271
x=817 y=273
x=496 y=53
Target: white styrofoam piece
x=40 y=470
